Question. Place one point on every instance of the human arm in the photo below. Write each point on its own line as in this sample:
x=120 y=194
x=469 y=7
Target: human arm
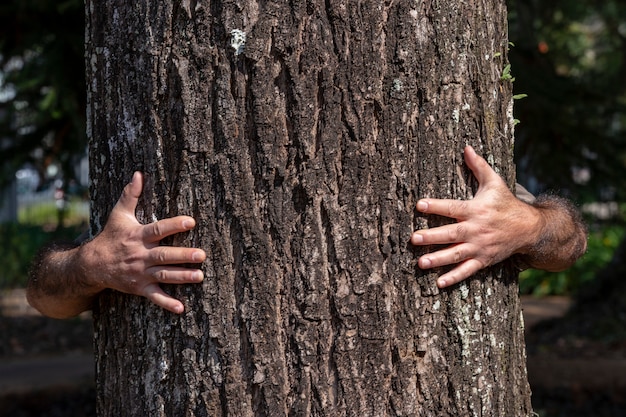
x=126 y=256
x=495 y=225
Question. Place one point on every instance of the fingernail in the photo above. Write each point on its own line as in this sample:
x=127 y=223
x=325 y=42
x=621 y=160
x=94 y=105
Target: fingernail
x=417 y=239
x=197 y=256
x=422 y=206
x=441 y=283
x=198 y=276
x=188 y=224
x=425 y=263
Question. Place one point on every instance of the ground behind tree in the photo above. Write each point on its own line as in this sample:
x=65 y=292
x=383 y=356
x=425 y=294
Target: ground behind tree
x=46 y=365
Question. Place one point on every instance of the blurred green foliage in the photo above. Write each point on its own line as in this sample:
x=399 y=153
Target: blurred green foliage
x=20 y=243
x=570 y=59
x=76 y=211
x=38 y=225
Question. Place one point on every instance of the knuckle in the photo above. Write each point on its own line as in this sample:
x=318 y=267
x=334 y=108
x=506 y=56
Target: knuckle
x=461 y=231
x=452 y=208
x=159 y=255
x=464 y=206
x=157 y=228
x=160 y=275
x=458 y=256
x=457 y=233
x=456 y=208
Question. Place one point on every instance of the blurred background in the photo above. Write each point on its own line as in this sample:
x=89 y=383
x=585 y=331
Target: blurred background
x=568 y=60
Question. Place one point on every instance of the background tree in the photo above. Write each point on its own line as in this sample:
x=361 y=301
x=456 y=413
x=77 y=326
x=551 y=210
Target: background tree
x=300 y=135
x=42 y=85
x=569 y=58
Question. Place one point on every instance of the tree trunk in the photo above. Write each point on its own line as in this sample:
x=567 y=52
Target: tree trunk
x=300 y=135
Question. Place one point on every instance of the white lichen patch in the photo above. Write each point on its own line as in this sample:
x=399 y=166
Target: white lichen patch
x=511 y=118
x=456 y=115
x=492 y=340
x=464 y=290
x=237 y=40
x=164 y=368
x=398 y=85
x=477 y=315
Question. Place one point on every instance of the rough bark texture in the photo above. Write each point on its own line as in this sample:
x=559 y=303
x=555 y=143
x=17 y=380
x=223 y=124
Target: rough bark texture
x=301 y=152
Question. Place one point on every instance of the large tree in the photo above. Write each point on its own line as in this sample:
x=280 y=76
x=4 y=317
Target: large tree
x=300 y=135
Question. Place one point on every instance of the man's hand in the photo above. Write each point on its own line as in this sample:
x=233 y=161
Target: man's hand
x=125 y=256
x=495 y=225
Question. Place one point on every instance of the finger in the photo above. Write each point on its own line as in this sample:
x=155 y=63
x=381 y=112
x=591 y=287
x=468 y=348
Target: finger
x=448 y=256
x=155 y=294
x=479 y=167
x=454 y=209
x=168 y=255
x=158 y=230
x=130 y=196
x=461 y=272
x=176 y=275
x=442 y=235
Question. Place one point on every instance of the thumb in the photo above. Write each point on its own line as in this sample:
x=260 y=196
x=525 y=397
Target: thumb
x=130 y=196
x=479 y=167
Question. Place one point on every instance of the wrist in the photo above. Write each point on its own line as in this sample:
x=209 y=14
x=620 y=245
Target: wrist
x=558 y=236
x=57 y=287
x=535 y=221
x=86 y=263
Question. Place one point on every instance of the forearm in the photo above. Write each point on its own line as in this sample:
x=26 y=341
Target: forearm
x=561 y=238
x=58 y=286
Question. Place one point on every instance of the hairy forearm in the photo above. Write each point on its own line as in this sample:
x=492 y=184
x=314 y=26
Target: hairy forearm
x=562 y=237
x=57 y=285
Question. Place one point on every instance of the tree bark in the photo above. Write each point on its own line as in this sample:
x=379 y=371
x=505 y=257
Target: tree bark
x=300 y=135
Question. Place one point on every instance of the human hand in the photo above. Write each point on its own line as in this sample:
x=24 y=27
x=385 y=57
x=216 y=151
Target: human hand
x=490 y=228
x=126 y=255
